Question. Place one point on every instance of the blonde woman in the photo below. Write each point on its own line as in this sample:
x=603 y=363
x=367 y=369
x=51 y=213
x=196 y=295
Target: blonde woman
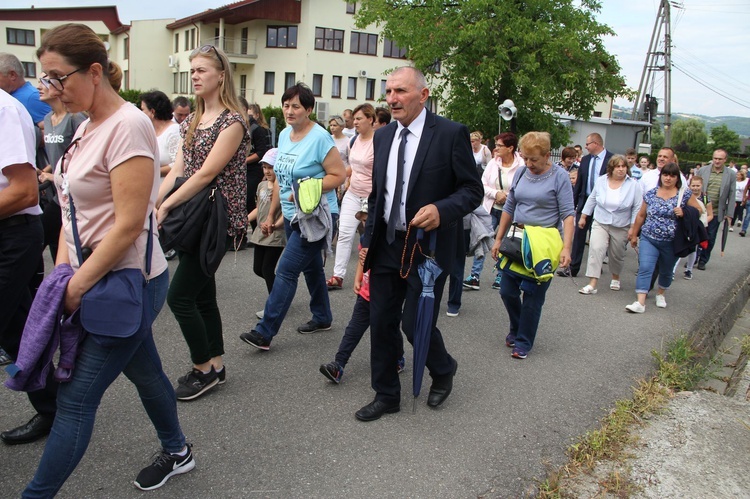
x=614 y=203
x=214 y=146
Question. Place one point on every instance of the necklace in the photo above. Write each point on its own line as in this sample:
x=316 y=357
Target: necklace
x=206 y=121
x=538 y=178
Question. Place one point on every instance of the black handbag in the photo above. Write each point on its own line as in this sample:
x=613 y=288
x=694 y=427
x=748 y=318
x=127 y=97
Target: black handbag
x=510 y=245
x=198 y=225
x=114 y=305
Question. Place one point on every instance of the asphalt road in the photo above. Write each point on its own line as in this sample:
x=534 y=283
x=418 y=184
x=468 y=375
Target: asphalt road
x=279 y=429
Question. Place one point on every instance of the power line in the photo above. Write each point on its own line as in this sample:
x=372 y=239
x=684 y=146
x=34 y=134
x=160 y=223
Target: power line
x=746 y=106
x=707 y=68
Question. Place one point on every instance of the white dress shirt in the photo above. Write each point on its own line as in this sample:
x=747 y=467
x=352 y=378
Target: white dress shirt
x=410 y=152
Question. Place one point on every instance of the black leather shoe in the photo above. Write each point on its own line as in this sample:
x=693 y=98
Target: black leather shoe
x=37 y=427
x=441 y=388
x=375 y=409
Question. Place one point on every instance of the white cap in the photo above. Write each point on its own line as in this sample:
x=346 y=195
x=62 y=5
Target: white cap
x=270 y=157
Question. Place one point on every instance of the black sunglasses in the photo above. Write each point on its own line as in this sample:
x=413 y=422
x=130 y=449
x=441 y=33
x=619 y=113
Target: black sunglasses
x=205 y=49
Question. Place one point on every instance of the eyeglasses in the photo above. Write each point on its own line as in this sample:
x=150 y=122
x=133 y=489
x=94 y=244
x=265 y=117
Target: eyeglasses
x=57 y=83
x=205 y=49
x=589 y=143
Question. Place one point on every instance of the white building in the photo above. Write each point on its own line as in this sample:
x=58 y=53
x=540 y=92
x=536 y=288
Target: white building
x=271 y=44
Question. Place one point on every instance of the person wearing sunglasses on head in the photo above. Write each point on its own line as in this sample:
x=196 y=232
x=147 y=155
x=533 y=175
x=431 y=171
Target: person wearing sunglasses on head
x=215 y=141
x=107 y=183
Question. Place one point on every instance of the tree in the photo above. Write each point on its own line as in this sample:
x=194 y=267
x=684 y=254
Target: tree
x=691 y=132
x=545 y=55
x=726 y=139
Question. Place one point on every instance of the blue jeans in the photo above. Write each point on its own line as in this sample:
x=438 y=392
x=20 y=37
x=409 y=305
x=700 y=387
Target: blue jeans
x=478 y=263
x=298 y=256
x=746 y=221
x=524 y=315
x=650 y=253
x=97 y=366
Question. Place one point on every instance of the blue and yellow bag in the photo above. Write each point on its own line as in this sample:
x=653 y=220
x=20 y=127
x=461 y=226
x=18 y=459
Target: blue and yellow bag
x=540 y=248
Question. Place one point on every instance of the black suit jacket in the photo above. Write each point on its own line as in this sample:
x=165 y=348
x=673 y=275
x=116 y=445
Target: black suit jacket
x=443 y=174
x=579 y=192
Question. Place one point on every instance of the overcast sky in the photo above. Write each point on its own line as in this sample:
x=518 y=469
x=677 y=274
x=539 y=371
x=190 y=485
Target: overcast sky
x=710 y=44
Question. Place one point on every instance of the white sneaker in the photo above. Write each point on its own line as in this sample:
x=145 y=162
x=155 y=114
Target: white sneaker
x=635 y=307
x=587 y=290
x=661 y=302
x=450 y=313
x=614 y=285
x=259 y=314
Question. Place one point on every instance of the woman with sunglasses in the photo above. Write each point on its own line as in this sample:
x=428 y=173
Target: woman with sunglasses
x=215 y=141
x=656 y=223
x=110 y=175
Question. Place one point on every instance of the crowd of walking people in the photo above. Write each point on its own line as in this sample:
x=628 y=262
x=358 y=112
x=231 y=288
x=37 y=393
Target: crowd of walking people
x=119 y=190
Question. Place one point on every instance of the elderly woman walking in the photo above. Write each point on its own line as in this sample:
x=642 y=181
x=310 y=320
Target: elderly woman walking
x=614 y=203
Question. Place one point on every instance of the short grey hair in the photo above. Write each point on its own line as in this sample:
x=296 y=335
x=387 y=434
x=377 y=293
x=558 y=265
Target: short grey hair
x=9 y=62
x=418 y=75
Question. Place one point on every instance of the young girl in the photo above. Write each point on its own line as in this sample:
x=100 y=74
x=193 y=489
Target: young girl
x=707 y=214
x=268 y=243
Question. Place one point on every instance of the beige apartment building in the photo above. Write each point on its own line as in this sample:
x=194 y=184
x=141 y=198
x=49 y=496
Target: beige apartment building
x=271 y=44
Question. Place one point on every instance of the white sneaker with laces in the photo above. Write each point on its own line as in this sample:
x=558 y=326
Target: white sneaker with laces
x=614 y=285
x=635 y=307
x=587 y=290
x=661 y=302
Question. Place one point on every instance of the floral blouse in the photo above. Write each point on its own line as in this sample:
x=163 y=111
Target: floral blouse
x=660 y=221
x=232 y=180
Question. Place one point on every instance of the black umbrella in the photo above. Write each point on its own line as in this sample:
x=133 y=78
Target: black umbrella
x=724 y=234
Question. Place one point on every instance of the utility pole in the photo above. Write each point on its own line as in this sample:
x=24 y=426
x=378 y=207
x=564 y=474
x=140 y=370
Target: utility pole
x=657 y=60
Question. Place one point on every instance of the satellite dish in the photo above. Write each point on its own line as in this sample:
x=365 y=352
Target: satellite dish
x=106 y=46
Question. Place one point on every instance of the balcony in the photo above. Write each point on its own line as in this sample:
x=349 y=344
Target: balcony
x=238 y=50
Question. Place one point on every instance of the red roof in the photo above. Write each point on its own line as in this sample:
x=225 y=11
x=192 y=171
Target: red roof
x=107 y=14
x=247 y=10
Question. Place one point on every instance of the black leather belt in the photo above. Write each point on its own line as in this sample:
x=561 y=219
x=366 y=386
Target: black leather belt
x=22 y=219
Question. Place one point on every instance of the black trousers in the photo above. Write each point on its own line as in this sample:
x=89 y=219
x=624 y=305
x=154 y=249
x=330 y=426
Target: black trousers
x=579 y=244
x=20 y=252
x=393 y=307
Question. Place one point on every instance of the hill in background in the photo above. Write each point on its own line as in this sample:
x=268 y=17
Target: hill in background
x=737 y=123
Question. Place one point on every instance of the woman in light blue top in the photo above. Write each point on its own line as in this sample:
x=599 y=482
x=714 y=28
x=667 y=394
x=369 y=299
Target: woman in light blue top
x=305 y=150
x=614 y=202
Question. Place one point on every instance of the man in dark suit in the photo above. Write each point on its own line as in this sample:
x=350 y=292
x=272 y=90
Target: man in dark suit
x=423 y=177
x=593 y=165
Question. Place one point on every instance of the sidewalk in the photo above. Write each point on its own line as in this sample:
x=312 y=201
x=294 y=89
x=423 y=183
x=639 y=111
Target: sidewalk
x=698 y=448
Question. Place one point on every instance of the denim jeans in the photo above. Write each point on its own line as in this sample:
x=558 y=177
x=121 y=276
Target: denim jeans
x=478 y=263
x=97 y=366
x=651 y=253
x=746 y=221
x=523 y=314
x=298 y=256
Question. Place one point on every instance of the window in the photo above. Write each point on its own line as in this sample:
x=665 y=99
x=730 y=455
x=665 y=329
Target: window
x=29 y=69
x=176 y=83
x=269 y=82
x=281 y=36
x=243 y=41
x=289 y=80
x=20 y=36
x=390 y=49
x=243 y=85
x=126 y=48
x=351 y=7
x=176 y=42
x=192 y=39
x=187 y=39
x=125 y=83
x=317 y=87
x=370 y=89
x=185 y=86
x=351 y=89
x=336 y=87
x=329 y=39
x=363 y=43
x=382 y=89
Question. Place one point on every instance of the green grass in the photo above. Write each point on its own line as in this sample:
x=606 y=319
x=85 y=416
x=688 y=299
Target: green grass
x=679 y=368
